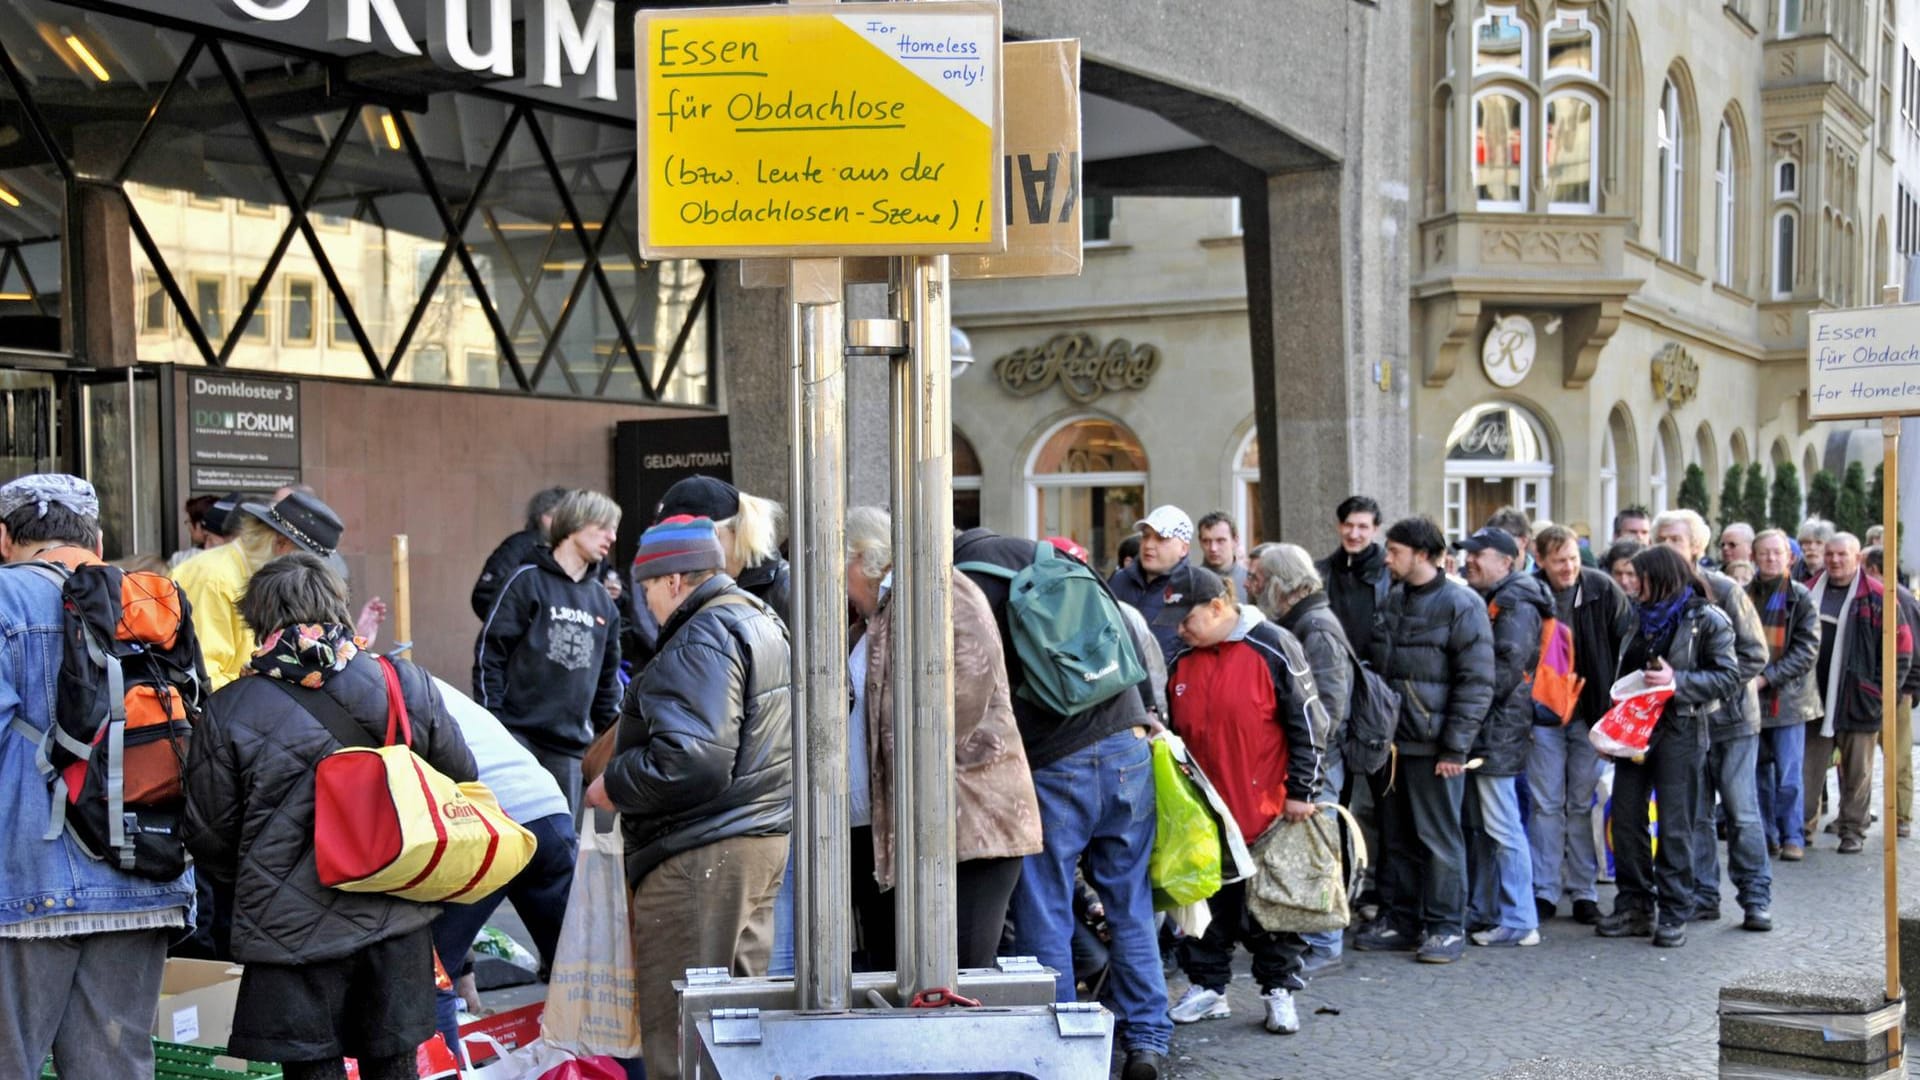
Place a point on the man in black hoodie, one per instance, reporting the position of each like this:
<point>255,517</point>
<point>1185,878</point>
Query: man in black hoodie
<point>1356,576</point>
<point>547,663</point>
<point>513,551</point>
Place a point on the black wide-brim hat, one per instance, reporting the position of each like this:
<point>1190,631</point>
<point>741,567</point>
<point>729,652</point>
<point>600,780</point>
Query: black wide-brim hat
<point>303,519</point>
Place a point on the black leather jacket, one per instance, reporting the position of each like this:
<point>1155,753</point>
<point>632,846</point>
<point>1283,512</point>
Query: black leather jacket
<point>705,751</point>
<point>1742,714</point>
<point>1706,671</point>
<point>1435,646</point>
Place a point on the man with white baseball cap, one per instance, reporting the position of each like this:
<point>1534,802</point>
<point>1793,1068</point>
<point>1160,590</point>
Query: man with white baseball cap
<point>1161,575</point>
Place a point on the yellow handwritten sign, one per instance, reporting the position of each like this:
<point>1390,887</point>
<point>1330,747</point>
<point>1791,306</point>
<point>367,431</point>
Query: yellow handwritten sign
<point>839,130</point>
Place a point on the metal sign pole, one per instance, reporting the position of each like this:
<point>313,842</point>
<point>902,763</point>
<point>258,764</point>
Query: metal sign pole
<point>924,802</point>
<point>1889,704</point>
<point>823,950</point>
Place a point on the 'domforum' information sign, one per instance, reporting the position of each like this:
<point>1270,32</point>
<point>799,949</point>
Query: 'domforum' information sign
<point>844,129</point>
<point>1863,362</point>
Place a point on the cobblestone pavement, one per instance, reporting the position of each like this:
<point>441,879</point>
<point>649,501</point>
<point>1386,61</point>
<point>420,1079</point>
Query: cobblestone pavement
<point>1575,996</point>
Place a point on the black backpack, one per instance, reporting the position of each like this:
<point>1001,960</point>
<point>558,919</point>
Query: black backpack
<point>1373,713</point>
<point>130,690</point>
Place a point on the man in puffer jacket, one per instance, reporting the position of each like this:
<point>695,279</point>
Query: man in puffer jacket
<point>702,774</point>
<point>1500,863</point>
<point>1434,646</point>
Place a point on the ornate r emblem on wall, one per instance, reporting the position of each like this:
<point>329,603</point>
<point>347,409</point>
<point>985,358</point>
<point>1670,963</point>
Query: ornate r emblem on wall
<point>1676,376</point>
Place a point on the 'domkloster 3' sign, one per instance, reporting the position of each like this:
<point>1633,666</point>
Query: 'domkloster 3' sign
<point>472,35</point>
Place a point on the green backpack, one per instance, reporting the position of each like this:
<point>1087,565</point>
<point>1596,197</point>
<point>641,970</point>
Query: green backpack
<point>1068,632</point>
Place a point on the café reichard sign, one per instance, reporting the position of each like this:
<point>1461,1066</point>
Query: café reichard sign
<point>835,130</point>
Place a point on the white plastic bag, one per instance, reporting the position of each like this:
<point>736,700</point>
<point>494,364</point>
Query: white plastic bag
<point>528,1062</point>
<point>593,1002</point>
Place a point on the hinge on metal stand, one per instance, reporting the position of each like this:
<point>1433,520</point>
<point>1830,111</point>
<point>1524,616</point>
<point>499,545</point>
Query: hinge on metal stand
<point>709,976</point>
<point>1079,1019</point>
<point>876,337</point>
<point>1020,965</point>
<point>736,1027</point>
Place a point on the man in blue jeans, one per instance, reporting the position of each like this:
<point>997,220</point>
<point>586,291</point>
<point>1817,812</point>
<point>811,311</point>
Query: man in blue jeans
<point>531,796</point>
<point>1093,775</point>
<point>1788,699</point>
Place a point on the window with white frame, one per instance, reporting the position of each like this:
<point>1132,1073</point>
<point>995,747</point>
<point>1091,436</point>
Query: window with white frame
<point>1658,478</point>
<point>1725,187</point>
<point>1573,46</point>
<point>1670,170</point>
<point>1609,476</point>
<point>1786,229</point>
<point>1570,137</point>
<point>1500,43</point>
<point>1246,489</point>
<point>1786,179</point>
<point>1789,17</point>
<point>1500,149</point>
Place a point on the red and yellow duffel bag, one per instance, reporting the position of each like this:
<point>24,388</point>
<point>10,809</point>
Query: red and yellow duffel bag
<point>385,821</point>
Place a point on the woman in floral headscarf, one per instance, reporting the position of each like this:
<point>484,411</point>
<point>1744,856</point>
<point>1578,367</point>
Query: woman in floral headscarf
<point>329,974</point>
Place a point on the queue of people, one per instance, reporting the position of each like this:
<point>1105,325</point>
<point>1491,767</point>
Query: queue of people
<point>677,668</point>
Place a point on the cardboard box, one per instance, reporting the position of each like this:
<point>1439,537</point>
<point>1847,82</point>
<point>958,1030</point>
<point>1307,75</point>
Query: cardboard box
<point>196,1002</point>
<point>512,1029</point>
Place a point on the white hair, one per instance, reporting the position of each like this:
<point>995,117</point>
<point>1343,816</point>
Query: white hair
<point>1697,531</point>
<point>1289,572</point>
<point>870,540</point>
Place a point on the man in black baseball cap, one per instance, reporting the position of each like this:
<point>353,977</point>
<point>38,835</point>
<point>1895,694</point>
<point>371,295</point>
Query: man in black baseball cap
<point>1489,538</point>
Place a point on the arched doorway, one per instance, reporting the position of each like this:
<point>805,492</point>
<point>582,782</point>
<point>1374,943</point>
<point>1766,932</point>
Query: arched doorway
<point>1663,480</point>
<point>1497,455</point>
<point>1087,479</point>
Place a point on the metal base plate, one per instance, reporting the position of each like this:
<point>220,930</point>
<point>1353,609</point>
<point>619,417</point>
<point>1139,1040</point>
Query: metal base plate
<point>1021,1043</point>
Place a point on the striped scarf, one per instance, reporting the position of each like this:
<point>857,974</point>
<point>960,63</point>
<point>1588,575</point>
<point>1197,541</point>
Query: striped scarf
<point>1774,601</point>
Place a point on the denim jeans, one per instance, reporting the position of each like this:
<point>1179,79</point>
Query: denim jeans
<point>1562,770</point>
<point>539,893</point>
<point>1425,874</point>
<point>1783,753</point>
<point>1500,867</point>
<point>1099,802</point>
<point>1670,772</point>
<point>1730,772</point>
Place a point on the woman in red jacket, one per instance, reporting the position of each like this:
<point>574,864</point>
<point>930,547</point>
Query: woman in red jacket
<point>1242,696</point>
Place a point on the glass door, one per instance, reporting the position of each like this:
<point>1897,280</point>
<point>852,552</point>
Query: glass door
<point>29,423</point>
<point>118,416</point>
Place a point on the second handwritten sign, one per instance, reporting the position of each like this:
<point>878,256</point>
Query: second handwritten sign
<point>852,129</point>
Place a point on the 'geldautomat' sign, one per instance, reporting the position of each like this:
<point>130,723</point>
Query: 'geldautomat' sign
<point>243,434</point>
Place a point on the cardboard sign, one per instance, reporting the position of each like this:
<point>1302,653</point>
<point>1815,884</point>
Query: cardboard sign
<point>1040,175</point>
<point>843,129</point>
<point>1863,363</point>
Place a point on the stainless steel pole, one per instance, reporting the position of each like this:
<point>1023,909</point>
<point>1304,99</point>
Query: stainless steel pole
<point>906,594</point>
<point>925,810</point>
<point>823,948</point>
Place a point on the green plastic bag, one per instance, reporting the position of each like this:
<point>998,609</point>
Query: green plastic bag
<point>1185,865</point>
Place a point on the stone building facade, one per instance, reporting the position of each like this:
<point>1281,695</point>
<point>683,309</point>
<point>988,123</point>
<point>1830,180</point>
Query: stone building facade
<point>1624,213</point>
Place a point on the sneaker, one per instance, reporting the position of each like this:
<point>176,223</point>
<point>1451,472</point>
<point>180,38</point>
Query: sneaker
<point>1385,938</point>
<point>1758,919</point>
<point>1318,963</point>
<point>1851,845</point>
<point>1773,851</point>
<point>1545,908</point>
<point>1441,949</point>
<point>1833,827</point>
<point>1625,924</point>
<point>1792,852</point>
<point>1506,937</point>
<point>1200,1003</point>
<point>1282,1018</point>
<point>1707,912</point>
<point>1586,912</point>
<point>1144,1065</point>
<point>1670,937</point>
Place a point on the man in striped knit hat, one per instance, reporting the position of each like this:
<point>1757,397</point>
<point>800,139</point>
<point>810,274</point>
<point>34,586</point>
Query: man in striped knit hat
<point>702,774</point>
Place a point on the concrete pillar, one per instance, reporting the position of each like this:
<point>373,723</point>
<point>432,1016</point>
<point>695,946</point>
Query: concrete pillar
<point>99,301</point>
<point>753,369</point>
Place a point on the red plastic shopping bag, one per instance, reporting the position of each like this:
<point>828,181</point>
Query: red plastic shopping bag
<point>1628,726</point>
<point>596,1067</point>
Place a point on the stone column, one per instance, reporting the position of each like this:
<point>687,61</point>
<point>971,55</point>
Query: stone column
<point>753,371</point>
<point>100,302</point>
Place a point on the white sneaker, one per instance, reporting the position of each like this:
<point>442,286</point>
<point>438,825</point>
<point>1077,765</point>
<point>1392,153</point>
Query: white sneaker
<point>1282,1019</point>
<point>1200,1003</point>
